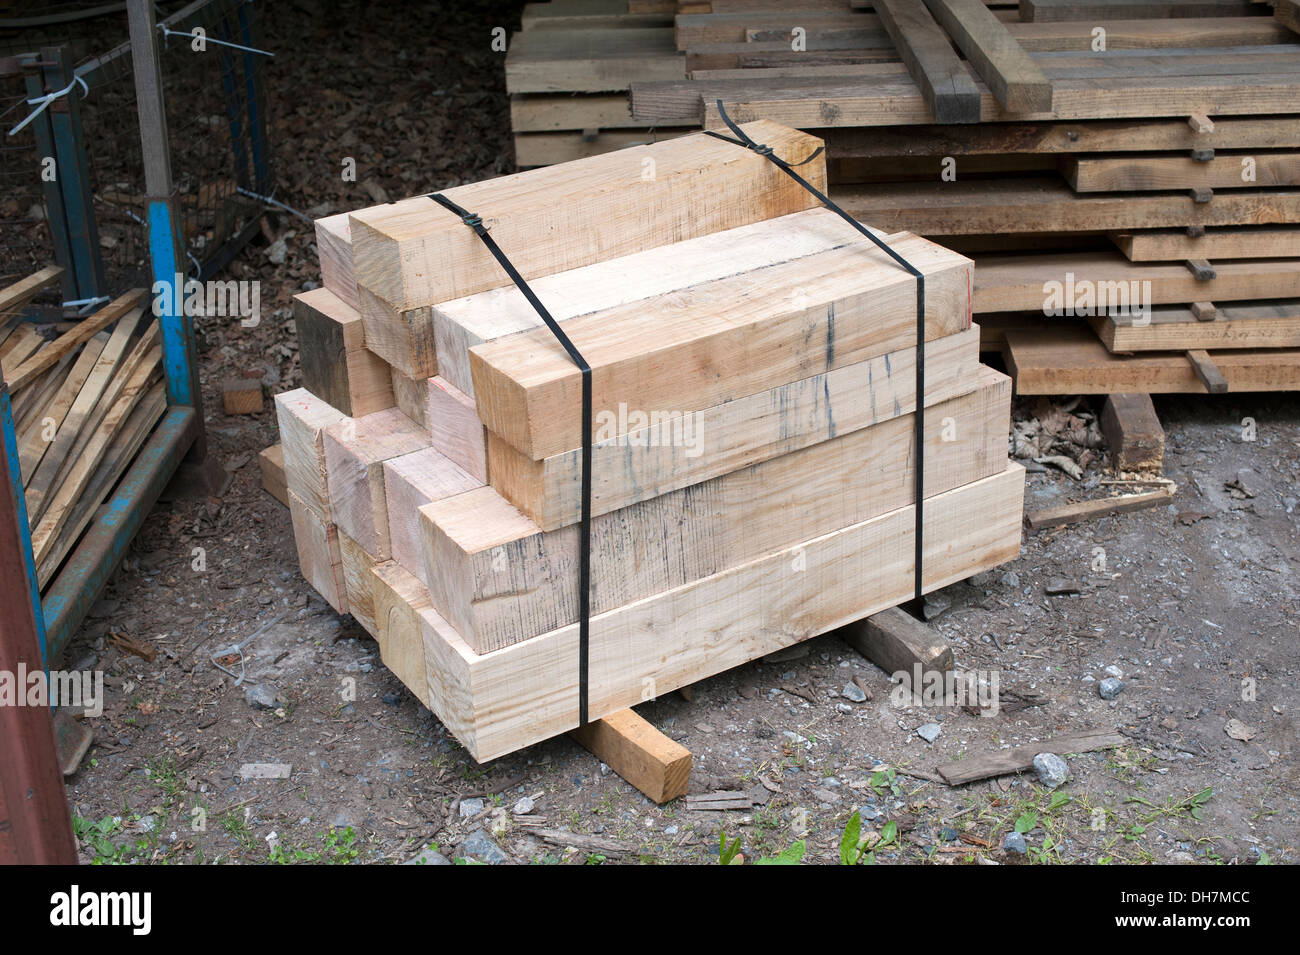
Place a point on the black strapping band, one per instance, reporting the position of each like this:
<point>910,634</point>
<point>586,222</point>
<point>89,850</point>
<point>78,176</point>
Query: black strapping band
<point>584,534</point>
<point>788,168</point>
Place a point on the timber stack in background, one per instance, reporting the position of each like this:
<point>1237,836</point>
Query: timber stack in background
<point>754,392</point>
<point>1095,159</point>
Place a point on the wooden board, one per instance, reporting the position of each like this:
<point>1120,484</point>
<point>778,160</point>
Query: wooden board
<point>303,418</point>
<point>1020,283</point>
<point>1176,328</point>
<point>1072,361</point>
<point>590,61</point>
<point>334,251</point>
<point>1100,136</point>
<point>1144,173</point>
<point>1011,206</point>
<point>730,436</point>
<point>944,79</point>
<point>500,579</point>
<point>1017,83</point>
<point>410,482</point>
<point>398,599</point>
<point>499,702</point>
<point>40,435</point>
<point>716,342</point>
<point>695,29</point>
<point>1094,10</point>
<point>560,112</point>
<point>1020,758</point>
<point>414,253</point>
<point>336,365</point>
<point>14,297</point>
<point>1169,245</point>
<point>355,452</point>
<point>319,557</point>
<point>358,582</point>
<point>487,316</point>
<point>656,765</point>
<point>270,462</point>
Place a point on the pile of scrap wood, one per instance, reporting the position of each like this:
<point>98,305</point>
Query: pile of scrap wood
<point>1125,174</point>
<point>83,403</point>
<point>753,376</point>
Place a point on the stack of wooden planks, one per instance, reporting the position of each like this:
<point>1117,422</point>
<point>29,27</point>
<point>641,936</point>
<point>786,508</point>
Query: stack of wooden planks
<point>753,364</point>
<point>83,403</point>
<point>1079,152</point>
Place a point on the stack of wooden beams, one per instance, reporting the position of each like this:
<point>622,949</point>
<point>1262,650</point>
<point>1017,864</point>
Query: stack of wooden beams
<point>83,403</point>
<point>753,377</point>
<point>1151,145</point>
<point>568,72</point>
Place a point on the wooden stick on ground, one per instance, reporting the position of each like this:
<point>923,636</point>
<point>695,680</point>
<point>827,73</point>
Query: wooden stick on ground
<point>1020,758</point>
<point>1104,507</point>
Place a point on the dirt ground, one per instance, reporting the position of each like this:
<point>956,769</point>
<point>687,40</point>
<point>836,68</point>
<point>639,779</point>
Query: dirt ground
<point>1195,603</point>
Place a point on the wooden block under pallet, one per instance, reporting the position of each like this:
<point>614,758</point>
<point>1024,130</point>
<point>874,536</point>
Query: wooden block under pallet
<point>640,753</point>
<point>319,556</point>
<point>499,579</point>
<point>898,643</point>
<point>242,396</point>
<point>1133,432</point>
<point>355,452</point>
<point>499,702</point>
<point>336,365</point>
<point>271,462</point>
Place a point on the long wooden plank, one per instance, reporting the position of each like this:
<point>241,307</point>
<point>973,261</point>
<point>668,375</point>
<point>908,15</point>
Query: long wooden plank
<point>1123,97</point>
<point>414,253</point>
<point>549,113</point>
<point>38,440</point>
<point>500,579</point>
<point>1100,136</point>
<point>334,251</point>
<point>1095,10</point>
<point>1169,245</point>
<point>1011,206</point>
<point>487,316</point>
<point>398,598</point>
<point>695,29</point>
<point>1194,33</point>
<point>336,365</point>
<point>355,452</point>
<point>590,61</point>
<point>13,297</point>
<point>1259,325</point>
<point>732,435</point>
<point>499,702</point>
<point>943,77</point>
<point>1064,514</point>
<point>549,149</point>
<point>87,327</point>
<point>656,765</point>
<point>1017,83</point>
<point>1078,282</point>
<point>1072,361</point>
<point>1143,173</point>
<point>302,419</point>
<point>716,342</point>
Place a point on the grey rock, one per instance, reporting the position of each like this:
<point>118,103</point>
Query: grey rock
<point>934,605</point>
<point>1015,842</point>
<point>260,696</point>
<point>277,251</point>
<point>929,732</point>
<point>1052,770</point>
<point>524,806</point>
<point>853,693</point>
<point>1115,671</point>
<point>428,857</point>
<point>1011,579</point>
<point>796,652</point>
<point>948,834</point>
<point>147,823</point>
<point>478,845</point>
<point>1110,688</point>
<point>469,808</point>
<point>843,708</point>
